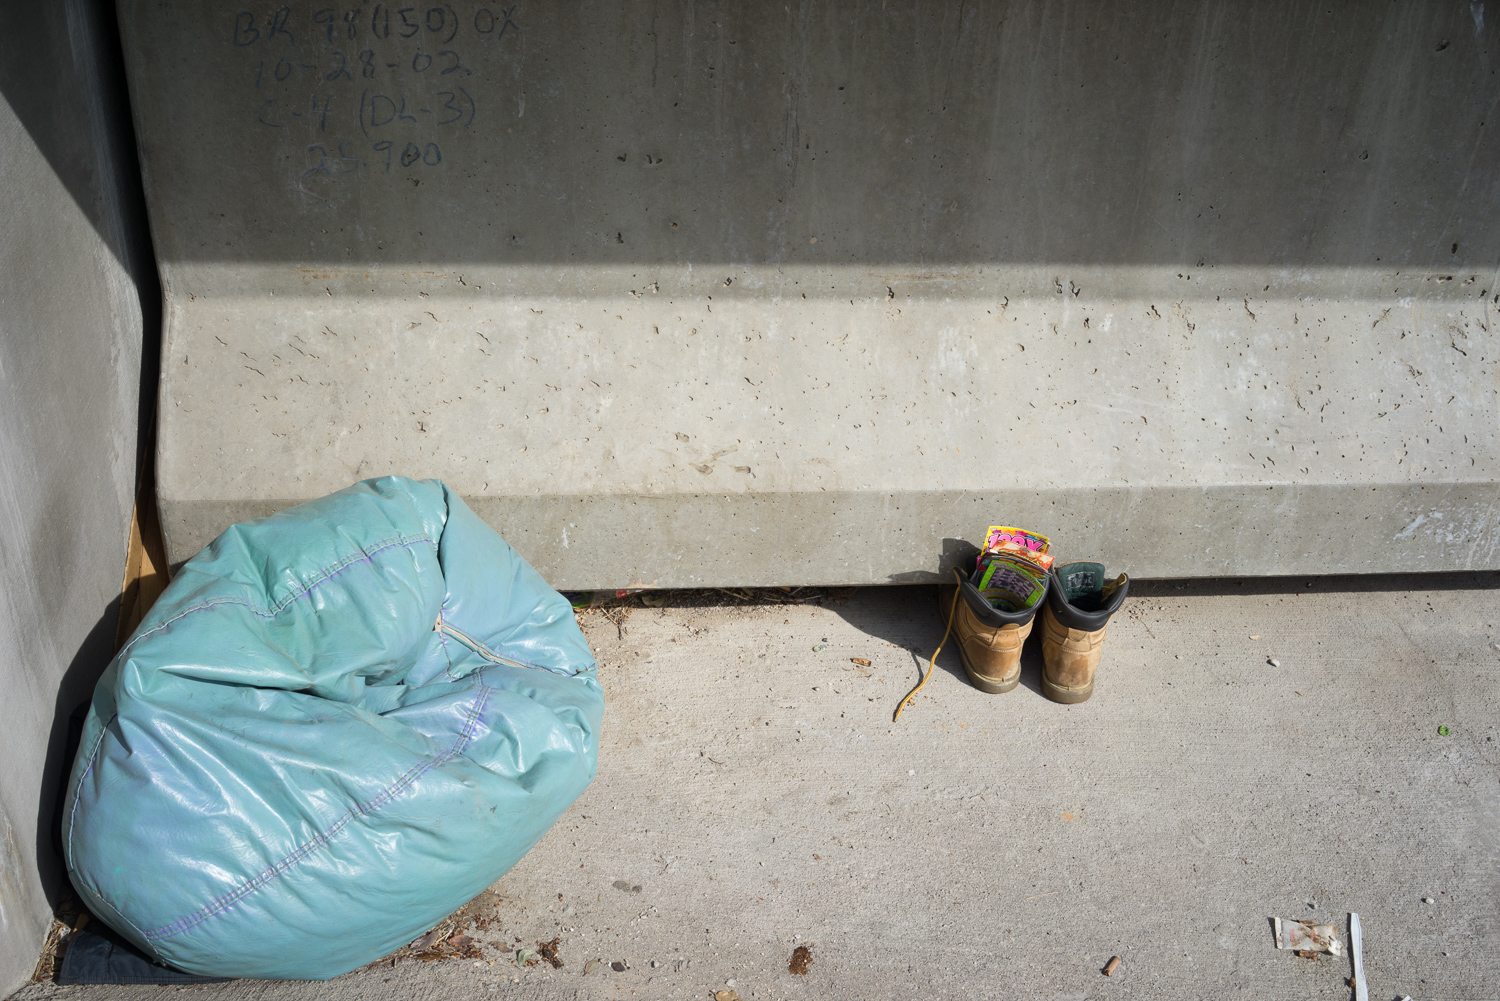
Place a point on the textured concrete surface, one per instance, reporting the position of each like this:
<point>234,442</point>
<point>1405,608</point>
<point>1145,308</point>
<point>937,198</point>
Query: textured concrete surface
<point>685,294</point>
<point>70,370</point>
<point>754,795</point>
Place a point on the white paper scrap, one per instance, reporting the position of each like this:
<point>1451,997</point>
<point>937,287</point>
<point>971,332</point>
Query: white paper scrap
<point>1304,936</point>
<point>1357,946</point>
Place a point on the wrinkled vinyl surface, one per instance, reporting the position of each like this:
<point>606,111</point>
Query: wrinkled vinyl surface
<point>337,725</point>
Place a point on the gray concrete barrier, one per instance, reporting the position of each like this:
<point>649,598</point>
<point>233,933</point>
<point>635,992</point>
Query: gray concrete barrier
<point>72,249</point>
<point>684,294</point>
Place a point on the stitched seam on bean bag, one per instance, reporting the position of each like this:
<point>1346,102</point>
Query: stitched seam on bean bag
<point>411,775</point>
<point>323,575</point>
<point>78,792</point>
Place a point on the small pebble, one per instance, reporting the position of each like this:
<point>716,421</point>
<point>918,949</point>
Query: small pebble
<point>1273,662</point>
<point>1428,900</point>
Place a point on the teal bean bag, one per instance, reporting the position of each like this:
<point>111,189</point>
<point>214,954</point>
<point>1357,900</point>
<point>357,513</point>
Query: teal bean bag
<point>338,725</point>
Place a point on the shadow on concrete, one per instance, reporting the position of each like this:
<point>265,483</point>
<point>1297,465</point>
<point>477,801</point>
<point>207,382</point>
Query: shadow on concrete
<point>957,554</point>
<point>909,615</point>
<point>70,707</point>
<point>77,111</point>
<point>905,135</point>
<point>1472,580</point>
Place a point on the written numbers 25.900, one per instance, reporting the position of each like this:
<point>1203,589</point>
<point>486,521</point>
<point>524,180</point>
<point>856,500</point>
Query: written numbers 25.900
<point>341,157</point>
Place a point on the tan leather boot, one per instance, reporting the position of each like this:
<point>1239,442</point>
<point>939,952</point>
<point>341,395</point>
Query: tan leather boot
<point>1079,604</point>
<point>989,640</point>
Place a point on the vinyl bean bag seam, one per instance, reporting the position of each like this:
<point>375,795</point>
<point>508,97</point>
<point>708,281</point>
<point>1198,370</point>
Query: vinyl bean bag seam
<point>402,783</point>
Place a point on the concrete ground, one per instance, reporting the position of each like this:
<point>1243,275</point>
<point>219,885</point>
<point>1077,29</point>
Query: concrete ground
<point>1251,751</point>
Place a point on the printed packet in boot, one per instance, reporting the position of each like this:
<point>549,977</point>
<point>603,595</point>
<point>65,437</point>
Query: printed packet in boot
<point>999,535</point>
<point>1011,573</point>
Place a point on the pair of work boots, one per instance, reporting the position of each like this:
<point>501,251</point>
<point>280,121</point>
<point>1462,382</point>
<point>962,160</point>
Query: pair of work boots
<point>1075,618</point>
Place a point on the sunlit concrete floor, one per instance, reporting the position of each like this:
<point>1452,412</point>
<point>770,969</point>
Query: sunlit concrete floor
<point>1254,749</point>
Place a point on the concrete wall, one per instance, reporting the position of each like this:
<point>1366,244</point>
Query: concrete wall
<point>684,293</point>
<point>70,371</point>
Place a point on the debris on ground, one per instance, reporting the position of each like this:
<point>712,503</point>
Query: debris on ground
<point>860,661</point>
<point>619,966</point>
<point>616,614</point>
<point>50,960</point>
<point>1111,966</point>
<point>453,947</point>
<point>1357,946</point>
<point>802,958</point>
<point>591,966</point>
<point>449,940</point>
<point>1307,939</point>
<point>548,951</point>
<point>585,602</point>
<point>727,995</point>
<point>69,919</point>
<point>599,599</point>
<point>525,957</point>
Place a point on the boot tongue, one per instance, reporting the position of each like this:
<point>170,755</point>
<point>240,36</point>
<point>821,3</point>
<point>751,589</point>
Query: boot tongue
<point>1083,584</point>
<point>1111,586</point>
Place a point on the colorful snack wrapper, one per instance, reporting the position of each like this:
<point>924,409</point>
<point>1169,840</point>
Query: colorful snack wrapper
<point>1009,583</point>
<point>1011,573</point>
<point>999,535</point>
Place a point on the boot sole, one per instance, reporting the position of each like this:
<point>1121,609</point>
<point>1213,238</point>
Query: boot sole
<point>985,685</point>
<point>1067,696</point>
